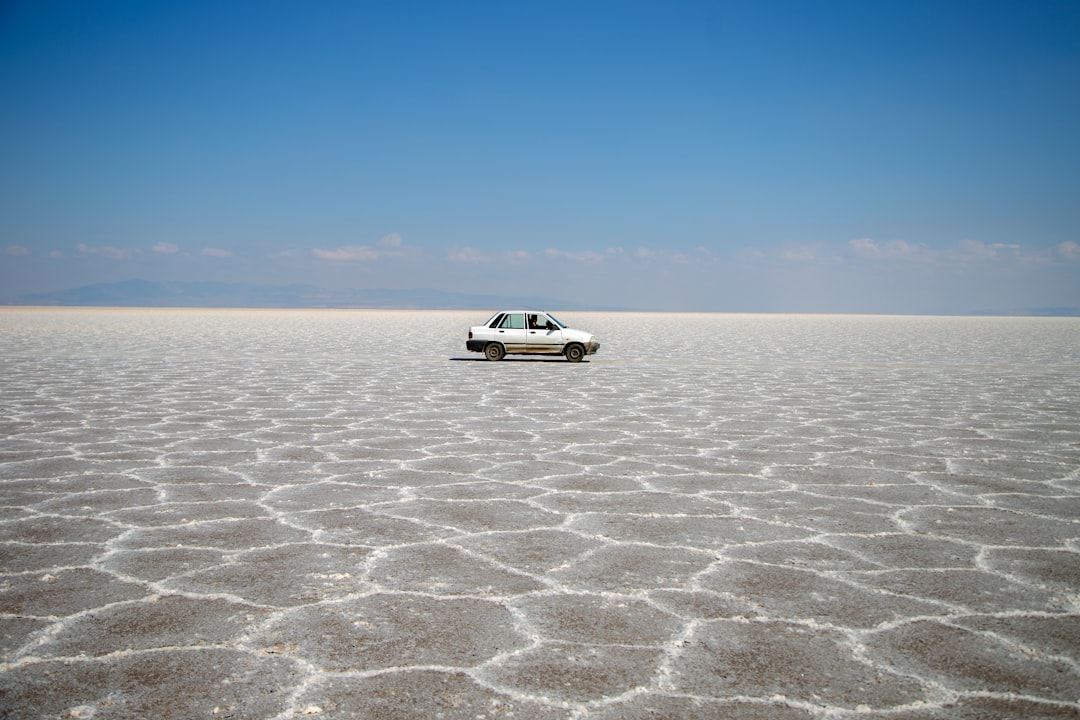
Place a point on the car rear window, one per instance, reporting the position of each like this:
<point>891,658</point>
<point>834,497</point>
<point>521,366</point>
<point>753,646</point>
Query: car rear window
<point>513,321</point>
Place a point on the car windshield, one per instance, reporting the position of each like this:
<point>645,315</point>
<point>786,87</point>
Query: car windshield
<point>558,322</point>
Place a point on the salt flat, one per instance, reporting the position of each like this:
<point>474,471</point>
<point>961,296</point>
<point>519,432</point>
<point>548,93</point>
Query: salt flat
<point>344,514</point>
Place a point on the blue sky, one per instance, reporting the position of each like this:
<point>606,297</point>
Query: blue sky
<point>907,157</point>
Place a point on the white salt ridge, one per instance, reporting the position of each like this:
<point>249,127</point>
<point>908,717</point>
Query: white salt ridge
<point>282,514</point>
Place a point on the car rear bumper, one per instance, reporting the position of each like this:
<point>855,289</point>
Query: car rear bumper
<point>475,345</point>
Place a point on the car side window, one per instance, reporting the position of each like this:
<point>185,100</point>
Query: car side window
<point>496,321</point>
<point>513,321</point>
<point>536,322</point>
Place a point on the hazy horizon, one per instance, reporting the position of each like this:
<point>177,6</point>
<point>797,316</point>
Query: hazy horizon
<point>139,294</point>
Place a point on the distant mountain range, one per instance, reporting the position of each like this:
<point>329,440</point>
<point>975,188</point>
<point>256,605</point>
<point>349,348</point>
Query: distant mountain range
<point>143,293</point>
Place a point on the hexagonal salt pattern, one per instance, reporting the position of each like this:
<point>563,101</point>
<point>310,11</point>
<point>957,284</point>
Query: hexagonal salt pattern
<point>283,514</point>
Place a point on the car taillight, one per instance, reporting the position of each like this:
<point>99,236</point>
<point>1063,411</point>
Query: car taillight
<point>470,334</point>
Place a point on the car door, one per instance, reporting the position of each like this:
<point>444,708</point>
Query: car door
<point>511,332</point>
<point>542,335</point>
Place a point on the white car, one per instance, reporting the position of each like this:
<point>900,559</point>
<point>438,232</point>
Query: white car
<point>529,332</point>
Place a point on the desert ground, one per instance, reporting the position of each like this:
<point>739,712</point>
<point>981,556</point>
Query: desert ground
<point>345,514</point>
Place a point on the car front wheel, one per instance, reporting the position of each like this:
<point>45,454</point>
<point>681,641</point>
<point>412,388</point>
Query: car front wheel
<point>574,353</point>
<point>494,351</point>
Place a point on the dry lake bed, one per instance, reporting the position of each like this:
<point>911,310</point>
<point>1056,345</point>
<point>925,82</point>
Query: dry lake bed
<point>344,514</point>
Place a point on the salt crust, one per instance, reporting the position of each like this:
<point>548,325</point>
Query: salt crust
<point>279,514</point>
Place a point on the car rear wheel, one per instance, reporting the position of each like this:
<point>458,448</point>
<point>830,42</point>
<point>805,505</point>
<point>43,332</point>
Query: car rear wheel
<point>575,352</point>
<point>494,351</point>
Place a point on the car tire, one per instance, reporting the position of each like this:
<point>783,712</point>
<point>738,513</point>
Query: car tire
<point>494,351</point>
<point>574,353</point>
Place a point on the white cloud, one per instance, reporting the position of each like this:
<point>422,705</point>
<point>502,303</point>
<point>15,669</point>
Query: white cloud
<point>16,250</point>
<point>119,253</point>
<point>216,252</point>
<point>871,249</point>
<point>1069,250</point>
<point>965,251</point>
<point>587,256</point>
<point>388,246</point>
<point>976,250</point>
<point>805,252</point>
<point>361,253</point>
<point>113,253</point>
<point>467,255</point>
<point>165,248</point>
<point>644,252</point>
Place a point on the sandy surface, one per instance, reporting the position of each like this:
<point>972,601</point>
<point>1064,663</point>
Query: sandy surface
<point>218,514</point>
